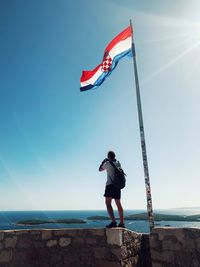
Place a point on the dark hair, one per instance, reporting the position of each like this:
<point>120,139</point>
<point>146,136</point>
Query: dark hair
<point>111,155</point>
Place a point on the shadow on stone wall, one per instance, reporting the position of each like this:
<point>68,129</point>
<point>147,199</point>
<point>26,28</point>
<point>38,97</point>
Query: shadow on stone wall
<point>144,259</point>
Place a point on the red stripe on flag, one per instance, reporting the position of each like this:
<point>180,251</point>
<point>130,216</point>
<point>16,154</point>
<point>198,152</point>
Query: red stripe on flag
<point>120,37</point>
<point>87,74</point>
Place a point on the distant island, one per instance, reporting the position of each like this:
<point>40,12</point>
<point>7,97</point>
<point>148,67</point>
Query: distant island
<point>140,216</point>
<point>35,221</point>
<point>98,218</point>
<point>157,217</point>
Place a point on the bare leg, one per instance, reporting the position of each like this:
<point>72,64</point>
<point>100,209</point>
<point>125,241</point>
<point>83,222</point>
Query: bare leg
<point>110,209</point>
<point>120,210</point>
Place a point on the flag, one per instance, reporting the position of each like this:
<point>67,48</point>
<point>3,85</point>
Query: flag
<point>118,48</point>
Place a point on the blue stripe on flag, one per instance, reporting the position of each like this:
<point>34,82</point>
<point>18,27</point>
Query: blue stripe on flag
<point>104,75</point>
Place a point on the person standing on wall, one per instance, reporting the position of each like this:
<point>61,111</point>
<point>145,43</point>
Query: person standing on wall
<point>112,192</point>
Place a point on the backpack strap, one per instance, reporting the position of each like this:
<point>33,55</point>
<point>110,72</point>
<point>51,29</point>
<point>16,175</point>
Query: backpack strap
<point>112,164</point>
<point>115,167</point>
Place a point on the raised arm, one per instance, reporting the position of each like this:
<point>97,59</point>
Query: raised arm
<point>101,167</point>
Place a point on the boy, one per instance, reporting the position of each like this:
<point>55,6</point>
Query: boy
<point>111,191</point>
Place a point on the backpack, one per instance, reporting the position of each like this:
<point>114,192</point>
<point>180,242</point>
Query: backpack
<point>119,180</point>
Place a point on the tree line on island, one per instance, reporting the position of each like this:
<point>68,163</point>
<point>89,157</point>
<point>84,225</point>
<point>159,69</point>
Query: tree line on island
<point>140,216</point>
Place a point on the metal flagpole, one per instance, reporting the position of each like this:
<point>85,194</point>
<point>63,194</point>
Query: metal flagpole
<point>142,138</point>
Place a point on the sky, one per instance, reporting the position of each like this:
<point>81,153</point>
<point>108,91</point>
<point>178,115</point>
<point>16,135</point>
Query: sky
<point>53,137</point>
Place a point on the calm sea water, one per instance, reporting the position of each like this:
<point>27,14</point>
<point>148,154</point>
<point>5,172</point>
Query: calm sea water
<point>9,219</point>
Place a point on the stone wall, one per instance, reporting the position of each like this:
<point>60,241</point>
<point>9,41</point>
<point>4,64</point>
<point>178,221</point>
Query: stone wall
<point>164,247</point>
<point>74,248</point>
<point>175,247</point>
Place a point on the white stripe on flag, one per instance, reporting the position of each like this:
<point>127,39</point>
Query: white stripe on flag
<point>93,79</point>
<point>120,47</point>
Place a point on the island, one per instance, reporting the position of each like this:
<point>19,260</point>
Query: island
<point>98,218</point>
<point>36,221</point>
<point>157,217</point>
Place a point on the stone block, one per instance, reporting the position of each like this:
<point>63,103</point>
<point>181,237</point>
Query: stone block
<point>19,258</point>
<point>56,258</point>
<point>59,265</point>
<point>103,263</point>
<point>192,233</point>
<point>164,256</point>
<point>46,234</point>
<point>21,232</point>
<point>168,231</point>
<point>155,264</point>
<point>74,232</point>
<point>90,241</point>
<point>24,241</point>
<point>189,244</point>
<point>99,232</point>
<point>114,236</point>
<point>36,237</point>
<point>196,262</point>
<point>101,240</point>
<point>35,232</point>
<point>184,258</point>
<point>78,241</point>
<point>100,253</point>
<point>5,256</point>
<point>64,241</point>
<point>95,232</point>
<point>39,244</point>
<point>171,245</point>
<point>10,242</point>
<point>52,243</point>
<point>198,244</point>
<point>60,232</point>
<point>116,252</point>
<point>172,238</point>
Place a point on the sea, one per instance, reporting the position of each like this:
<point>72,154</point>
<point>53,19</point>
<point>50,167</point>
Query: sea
<point>9,219</point>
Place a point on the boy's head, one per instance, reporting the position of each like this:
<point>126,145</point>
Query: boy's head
<point>111,155</point>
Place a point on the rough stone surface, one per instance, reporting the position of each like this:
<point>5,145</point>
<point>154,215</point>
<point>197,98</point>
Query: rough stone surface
<point>20,232</point>
<point>107,264</point>
<point>175,247</point>
<point>51,243</point>
<point>24,242</point>
<point>60,232</point>
<point>64,242</point>
<point>46,234</point>
<point>71,247</point>
<point>35,232</point>
<point>1,235</point>
<point>10,242</point>
<point>5,256</point>
<point>164,247</point>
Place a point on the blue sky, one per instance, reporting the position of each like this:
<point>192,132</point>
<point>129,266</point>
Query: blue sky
<point>53,138</point>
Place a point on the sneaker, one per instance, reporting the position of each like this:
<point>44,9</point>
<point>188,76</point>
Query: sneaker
<point>121,225</point>
<point>111,225</point>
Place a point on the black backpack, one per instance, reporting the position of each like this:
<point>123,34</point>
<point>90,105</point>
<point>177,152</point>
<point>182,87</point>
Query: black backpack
<point>119,180</point>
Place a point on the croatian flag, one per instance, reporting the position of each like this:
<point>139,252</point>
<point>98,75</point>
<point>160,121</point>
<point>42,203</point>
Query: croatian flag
<point>118,48</point>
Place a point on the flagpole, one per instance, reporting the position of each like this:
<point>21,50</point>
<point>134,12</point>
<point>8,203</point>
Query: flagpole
<point>142,138</point>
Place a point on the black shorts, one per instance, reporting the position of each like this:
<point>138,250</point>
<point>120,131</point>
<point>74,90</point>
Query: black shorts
<point>112,191</point>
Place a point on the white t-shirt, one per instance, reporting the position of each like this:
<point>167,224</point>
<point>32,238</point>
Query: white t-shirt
<point>110,170</point>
